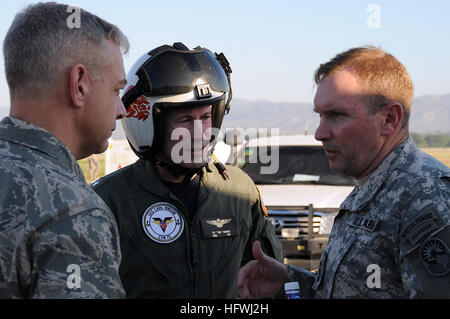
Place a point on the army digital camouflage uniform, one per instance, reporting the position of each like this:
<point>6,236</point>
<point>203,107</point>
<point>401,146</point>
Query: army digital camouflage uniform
<point>394,226</point>
<point>58,239</point>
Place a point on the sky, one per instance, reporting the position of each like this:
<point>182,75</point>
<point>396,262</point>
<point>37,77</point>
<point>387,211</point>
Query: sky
<point>273,46</point>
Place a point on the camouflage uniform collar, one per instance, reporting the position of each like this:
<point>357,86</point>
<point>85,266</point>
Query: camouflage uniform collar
<point>363,193</point>
<point>40,140</point>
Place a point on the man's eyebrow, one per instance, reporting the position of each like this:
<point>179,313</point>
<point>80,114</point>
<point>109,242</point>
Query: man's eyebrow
<point>123,82</point>
<point>330,108</point>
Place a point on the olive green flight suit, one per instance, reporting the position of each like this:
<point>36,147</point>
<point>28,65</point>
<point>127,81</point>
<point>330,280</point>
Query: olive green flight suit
<point>165,254</point>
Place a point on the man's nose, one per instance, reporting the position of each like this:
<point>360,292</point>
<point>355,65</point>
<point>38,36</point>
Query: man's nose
<point>322,132</point>
<point>199,130</point>
<point>121,111</point>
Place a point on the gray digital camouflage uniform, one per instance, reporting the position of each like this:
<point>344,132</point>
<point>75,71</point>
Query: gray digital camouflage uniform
<point>57,237</point>
<point>391,237</point>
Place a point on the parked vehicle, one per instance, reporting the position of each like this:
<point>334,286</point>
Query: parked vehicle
<point>302,195</point>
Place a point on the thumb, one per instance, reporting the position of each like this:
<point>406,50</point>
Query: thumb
<point>258,253</point>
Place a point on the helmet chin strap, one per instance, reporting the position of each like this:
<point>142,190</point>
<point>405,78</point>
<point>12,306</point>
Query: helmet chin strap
<point>177,170</point>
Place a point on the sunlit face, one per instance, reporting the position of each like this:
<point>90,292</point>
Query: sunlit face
<point>187,135</point>
<point>104,105</point>
<point>351,138</point>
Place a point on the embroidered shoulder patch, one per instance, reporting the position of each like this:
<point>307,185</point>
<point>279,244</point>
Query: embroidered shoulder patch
<point>435,256</point>
<point>417,228</point>
<point>261,203</point>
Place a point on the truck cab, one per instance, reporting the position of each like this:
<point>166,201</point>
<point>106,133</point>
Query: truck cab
<point>302,195</point>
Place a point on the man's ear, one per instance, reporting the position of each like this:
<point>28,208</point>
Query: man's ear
<point>79,83</point>
<point>393,118</point>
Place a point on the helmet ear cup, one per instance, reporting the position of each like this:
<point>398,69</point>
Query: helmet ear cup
<point>159,124</point>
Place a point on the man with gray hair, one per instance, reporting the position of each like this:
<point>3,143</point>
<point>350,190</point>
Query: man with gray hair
<point>57,237</point>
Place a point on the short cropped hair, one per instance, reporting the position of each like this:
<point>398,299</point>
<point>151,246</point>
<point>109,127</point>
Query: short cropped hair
<point>40,45</point>
<point>382,76</point>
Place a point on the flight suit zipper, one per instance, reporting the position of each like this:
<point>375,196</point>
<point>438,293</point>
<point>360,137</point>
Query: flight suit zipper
<point>189,237</point>
<point>195,241</point>
<point>195,257</point>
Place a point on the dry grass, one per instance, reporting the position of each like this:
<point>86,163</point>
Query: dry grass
<point>84,164</point>
<point>441,153</point>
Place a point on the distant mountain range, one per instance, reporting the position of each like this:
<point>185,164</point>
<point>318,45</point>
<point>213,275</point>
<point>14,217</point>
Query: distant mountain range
<point>430,114</point>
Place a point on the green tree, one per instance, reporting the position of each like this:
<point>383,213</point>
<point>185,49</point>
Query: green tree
<point>420,141</point>
<point>437,140</point>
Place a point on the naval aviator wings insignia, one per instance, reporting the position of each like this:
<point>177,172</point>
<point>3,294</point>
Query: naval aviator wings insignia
<point>219,227</point>
<point>219,223</point>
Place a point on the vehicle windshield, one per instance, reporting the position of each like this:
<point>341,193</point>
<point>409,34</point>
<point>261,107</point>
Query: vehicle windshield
<point>297,165</point>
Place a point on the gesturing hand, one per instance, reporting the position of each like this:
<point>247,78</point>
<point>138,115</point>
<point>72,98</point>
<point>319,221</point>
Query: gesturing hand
<point>262,277</point>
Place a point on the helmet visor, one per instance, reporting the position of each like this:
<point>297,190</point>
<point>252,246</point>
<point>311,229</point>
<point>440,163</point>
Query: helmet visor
<point>173,72</point>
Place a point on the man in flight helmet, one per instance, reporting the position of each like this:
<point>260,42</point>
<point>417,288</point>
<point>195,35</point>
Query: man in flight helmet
<point>186,222</point>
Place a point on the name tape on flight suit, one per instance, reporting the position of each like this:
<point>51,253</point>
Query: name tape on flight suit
<point>162,223</point>
<point>219,227</point>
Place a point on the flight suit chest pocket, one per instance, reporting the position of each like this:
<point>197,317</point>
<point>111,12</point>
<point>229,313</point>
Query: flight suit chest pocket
<point>219,227</point>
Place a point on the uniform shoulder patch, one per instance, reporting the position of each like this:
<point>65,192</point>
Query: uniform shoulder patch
<point>435,256</point>
<point>420,226</point>
<point>261,203</point>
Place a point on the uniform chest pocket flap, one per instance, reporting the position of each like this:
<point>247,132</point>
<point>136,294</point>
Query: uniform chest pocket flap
<point>334,260</point>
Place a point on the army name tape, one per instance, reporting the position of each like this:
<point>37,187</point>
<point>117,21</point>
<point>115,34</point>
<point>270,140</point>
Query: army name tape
<point>162,223</point>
